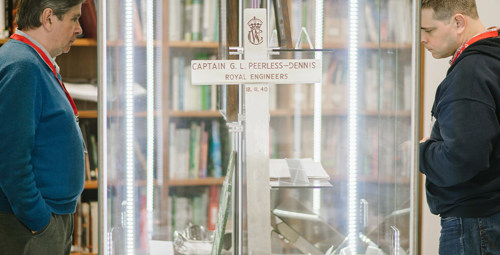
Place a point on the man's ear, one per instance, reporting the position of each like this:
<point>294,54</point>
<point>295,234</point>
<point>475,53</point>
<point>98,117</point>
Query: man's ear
<point>460,22</point>
<point>47,18</point>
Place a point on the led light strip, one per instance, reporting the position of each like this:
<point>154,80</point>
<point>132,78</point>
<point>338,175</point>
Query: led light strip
<point>150,66</point>
<point>353,124</point>
<point>318,37</point>
<point>129,128</point>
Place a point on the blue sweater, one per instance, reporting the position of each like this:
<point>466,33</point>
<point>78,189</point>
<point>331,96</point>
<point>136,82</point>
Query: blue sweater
<point>41,146</point>
<point>461,160</point>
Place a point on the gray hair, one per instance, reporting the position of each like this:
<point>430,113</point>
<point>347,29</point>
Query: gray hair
<point>29,11</point>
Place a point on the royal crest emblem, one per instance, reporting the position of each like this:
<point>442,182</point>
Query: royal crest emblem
<point>254,35</point>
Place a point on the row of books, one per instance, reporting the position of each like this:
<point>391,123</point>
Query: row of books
<point>89,133</point>
<point>384,85</point>
<point>193,20</point>
<point>8,10</point>
<point>187,97</point>
<point>382,88</point>
<point>197,150</point>
<point>85,238</point>
<point>88,19</point>
<point>385,150</point>
<point>380,21</point>
<point>184,95</point>
<point>195,209</point>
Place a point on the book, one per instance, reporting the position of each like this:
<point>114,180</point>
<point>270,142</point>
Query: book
<point>83,129</point>
<point>175,13</point>
<point>196,22</point>
<point>93,156</point>
<point>113,20</point>
<point>215,149</point>
<point>94,229</point>
<point>203,151</point>
<point>213,207</point>
<point>206,18</point>
<point>2,20</point>
<point>283,24</point>
<point>85,225</point>
<point>188,19</point>
<point>175,89</point>
<point>172,151</point>
<point>138,28</point>
<point>88,19</point>
<point>10,14</point>
<point>194,150</point>
<point>182,151</point>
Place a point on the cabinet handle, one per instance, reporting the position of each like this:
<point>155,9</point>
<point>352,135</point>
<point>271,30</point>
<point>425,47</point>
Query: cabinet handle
<point>364,211</point>
<point>395,240</point>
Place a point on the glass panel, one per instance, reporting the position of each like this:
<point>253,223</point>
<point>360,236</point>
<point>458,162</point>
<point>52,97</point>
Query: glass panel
<point>370,195</point>
<point>132,126</point>
<point>168,146</point>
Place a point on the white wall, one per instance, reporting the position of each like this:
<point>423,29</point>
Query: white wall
<point>434,73</point>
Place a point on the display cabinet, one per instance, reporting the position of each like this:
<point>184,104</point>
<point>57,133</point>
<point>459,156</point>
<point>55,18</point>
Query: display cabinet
<point>166,144</point>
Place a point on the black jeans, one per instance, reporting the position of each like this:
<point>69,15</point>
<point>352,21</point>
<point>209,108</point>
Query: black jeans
<point>17,239</point>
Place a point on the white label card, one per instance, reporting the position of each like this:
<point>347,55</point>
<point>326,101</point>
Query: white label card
<point>274,71</point>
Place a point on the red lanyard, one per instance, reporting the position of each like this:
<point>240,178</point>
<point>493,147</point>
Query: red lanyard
<point>487,34</point>
<point>49,63</point>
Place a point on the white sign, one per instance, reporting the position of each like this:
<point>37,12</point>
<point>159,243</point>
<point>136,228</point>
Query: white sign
<point>274,71</point>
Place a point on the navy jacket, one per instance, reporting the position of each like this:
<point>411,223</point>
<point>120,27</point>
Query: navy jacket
<point>462,158</point>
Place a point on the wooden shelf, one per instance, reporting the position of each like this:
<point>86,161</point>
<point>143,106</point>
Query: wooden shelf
<point>369,45</point>
<point>2,41</point>
<point>136,43</point>
<point>85,42</point>
<point>195,114</point>
<point>195,182</point>
<point>87,114</point>
<point>192,44</point>
<point>341,112</point>
<point>90,114</point>
<point>91,185</point>
<point>373,179</point>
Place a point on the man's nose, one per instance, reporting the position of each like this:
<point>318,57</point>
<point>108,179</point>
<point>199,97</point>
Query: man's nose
<point>423,39</point>
<point>79,29</point>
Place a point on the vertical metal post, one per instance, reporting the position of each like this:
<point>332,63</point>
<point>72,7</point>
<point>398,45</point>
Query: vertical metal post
<point>102,130</point>
<point>415,132</point>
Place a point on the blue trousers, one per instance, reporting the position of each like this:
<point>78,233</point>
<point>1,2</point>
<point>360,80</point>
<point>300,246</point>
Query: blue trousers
<point>470,236</point>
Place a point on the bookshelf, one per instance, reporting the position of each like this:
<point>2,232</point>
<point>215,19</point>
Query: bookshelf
<point>378,114</point>
<point>90,185</point>
<point>195,182</point>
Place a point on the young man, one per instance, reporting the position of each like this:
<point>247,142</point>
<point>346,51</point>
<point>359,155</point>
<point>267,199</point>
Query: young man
<point>41,147</point>
<point>461,159</point>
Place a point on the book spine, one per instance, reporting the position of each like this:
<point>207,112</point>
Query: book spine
<point>196,23</point>
<point>188,19</point>
<point>216,150</point>
<point>2,19</point>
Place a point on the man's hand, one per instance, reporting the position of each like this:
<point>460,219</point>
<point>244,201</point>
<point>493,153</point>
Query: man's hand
<point>424,139</point>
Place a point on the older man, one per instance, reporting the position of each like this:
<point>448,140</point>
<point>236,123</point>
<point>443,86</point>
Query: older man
<point>41,147</point>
